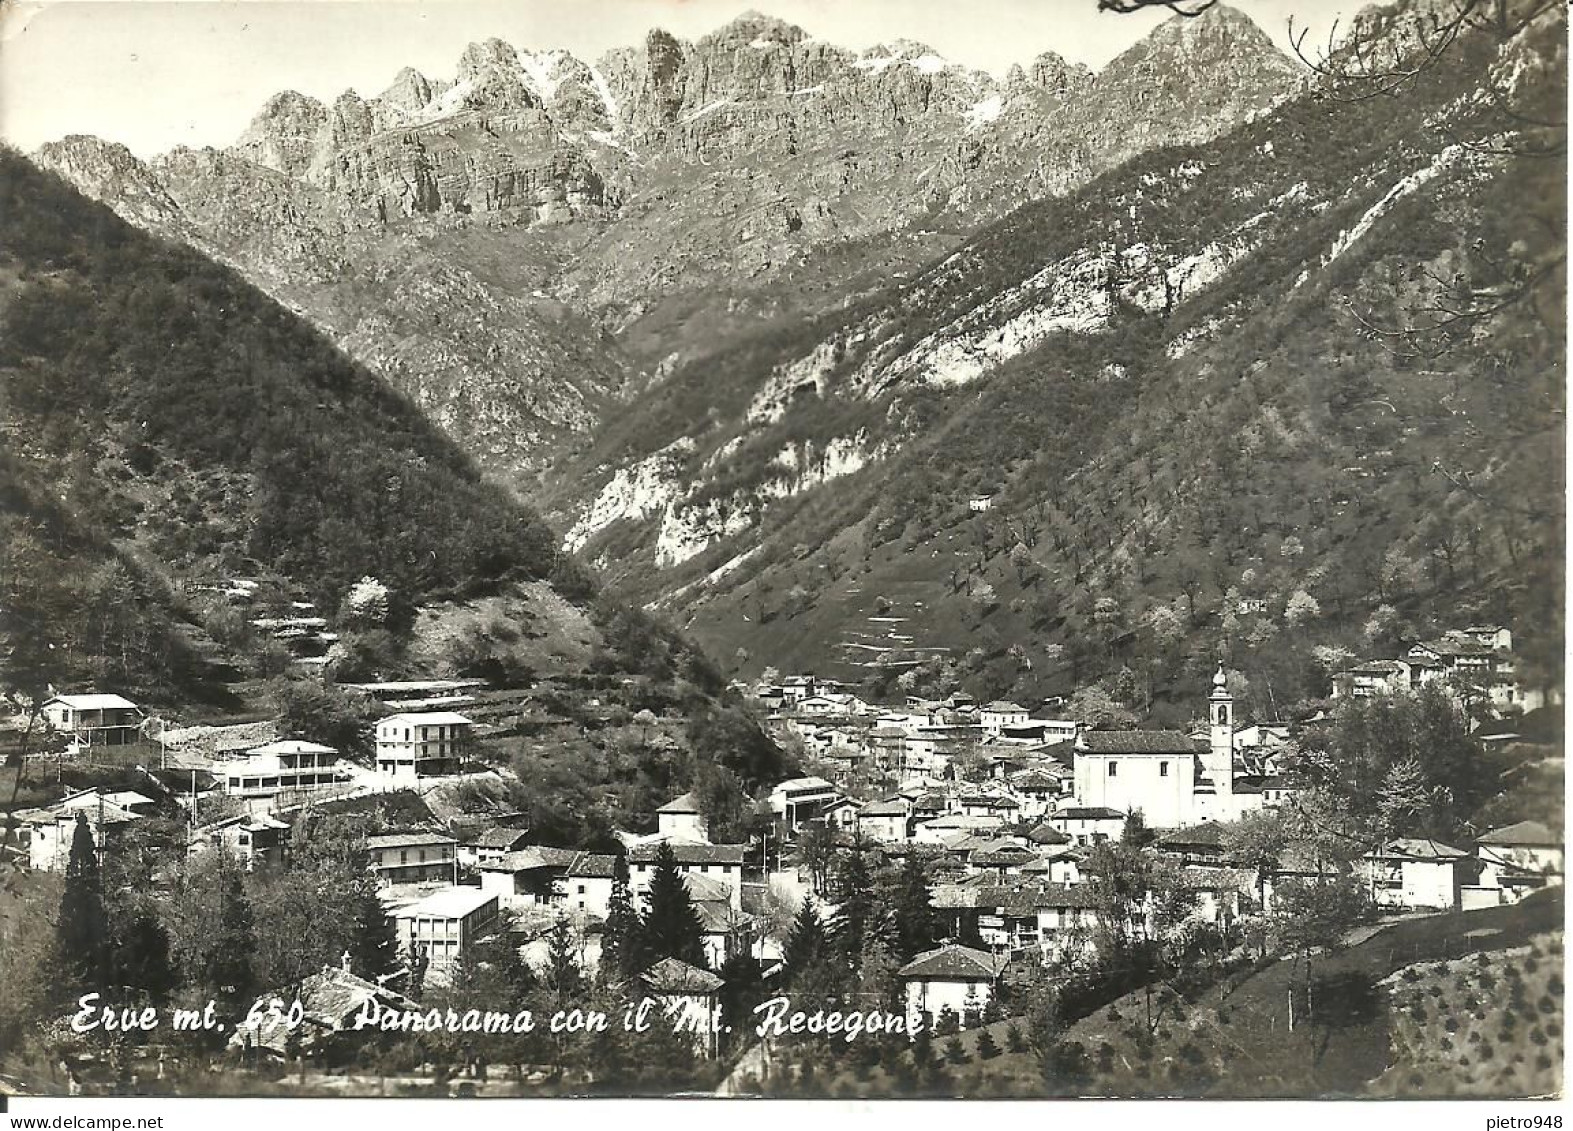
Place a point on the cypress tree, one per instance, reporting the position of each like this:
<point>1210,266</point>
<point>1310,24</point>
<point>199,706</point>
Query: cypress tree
<point>621,945</point>
<point>671,928</point>
<point>229,974</point>
<point>855,918</point>
<point>82,930</point>
<point>140,959</point>
<point>912,908</point>
<point>564,975</point>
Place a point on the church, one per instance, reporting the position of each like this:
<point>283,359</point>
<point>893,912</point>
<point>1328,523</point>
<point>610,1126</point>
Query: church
<point>1177,779</point>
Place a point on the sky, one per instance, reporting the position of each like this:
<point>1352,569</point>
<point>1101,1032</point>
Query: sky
<point>154,74</point>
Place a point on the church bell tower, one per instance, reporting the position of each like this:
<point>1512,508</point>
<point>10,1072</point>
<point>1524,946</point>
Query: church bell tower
<point>1220,754</point>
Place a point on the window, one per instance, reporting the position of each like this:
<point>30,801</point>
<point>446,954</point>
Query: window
<point>404,856</point>
<point>581,889</point>
<point>1163,769</point>
<point>1114,769</point>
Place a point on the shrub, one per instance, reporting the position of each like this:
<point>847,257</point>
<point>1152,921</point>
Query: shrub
<point>955,1052</point>
<point>1014,1040</point>
<point>987,1047</point>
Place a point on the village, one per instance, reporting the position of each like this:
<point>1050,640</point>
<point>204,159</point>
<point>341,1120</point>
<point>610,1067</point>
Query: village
<point>1003,818</point>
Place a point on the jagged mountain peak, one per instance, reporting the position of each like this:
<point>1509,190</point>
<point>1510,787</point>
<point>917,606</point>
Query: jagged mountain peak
<point>1219,32</point>
<point>757,30</point>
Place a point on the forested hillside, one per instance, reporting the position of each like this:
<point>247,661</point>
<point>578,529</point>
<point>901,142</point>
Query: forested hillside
<point>170,429</point>
<point>1307,377</point>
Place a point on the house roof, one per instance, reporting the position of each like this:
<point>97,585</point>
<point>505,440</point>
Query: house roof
<point>407,840</point>
<point>593,865</point>
<point>1418,848</point>
<point>449,903</point>
<point>291,746</point>
<point>528,859</point>
<point>702,889</point>
<point>802,783</point>
<point>1526,833</point>
<point>689,853</point>
<point>1093,813</point>
<point>94,702</point>
<point>1138,742</point>
<point>500,837</point>
<point>954,962</point>
<point>890,807</point>
<point>430,718</point>
<point>674,976</point>
<point>991,802</point>
<point>330,1000</point>
<point>684,803</point>
<point>1005,707</point>
<point>1208,834</point>
<point>1046,833</point>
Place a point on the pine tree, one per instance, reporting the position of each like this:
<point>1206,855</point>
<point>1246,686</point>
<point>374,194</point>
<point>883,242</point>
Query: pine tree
<point>988,1048</point>
<point>375,948</point>
<point>671,927</point>
<point>806,944</point>
<point>621,944</point>
<point>82,929</point>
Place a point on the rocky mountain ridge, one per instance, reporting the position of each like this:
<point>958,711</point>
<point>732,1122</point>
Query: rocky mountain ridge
<point>476,239</point>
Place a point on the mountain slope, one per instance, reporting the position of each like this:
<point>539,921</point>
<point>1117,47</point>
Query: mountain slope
<point>1167,382</point>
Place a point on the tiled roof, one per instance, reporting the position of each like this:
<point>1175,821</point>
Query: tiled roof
<point>890,807</point>
<point>684,803</point>
<point>954,961</point>
<point>1208,834</point>
<point>1417,848</point>
<point>985,800</point>
<point>593,866</point>
<point>674,976</point>
<point>1527,833</point>
<point>1048,834</point>
<point>526,859</point>
<point>500,838</point>
<point>1095,813</point>
<point>706,888</point>
<point>690,853</point>
<point>1138,742</point>
<point>1005,707</point>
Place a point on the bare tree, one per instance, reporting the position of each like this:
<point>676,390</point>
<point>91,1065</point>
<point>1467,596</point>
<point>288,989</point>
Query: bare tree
<point>1187,8</point>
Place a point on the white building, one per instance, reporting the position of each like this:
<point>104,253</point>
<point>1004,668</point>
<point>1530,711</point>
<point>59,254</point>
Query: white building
<point>423,744</point>
<point>720,862</point>
<point>800,799</point>
<point>49,831</point>
<point>94,720</point>
<point>1413,873</point>
<point>1000,714</point>
<point>954,977</point>
<point>280,766</point>
<point>681,819</point>
<point>443,925</point>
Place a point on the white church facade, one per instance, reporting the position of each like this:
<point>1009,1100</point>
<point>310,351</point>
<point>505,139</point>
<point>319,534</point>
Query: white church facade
<point>1173,779</point>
